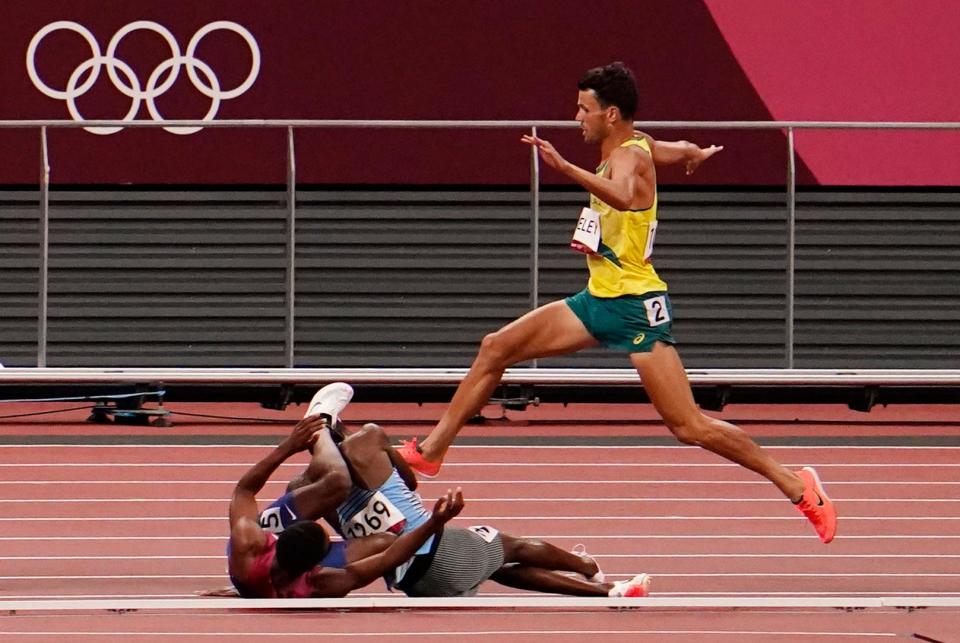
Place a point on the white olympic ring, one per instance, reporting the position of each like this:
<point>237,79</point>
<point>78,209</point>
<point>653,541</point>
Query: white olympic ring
<point>127,82</point>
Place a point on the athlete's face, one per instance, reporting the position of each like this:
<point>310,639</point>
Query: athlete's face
<point>595,121</point>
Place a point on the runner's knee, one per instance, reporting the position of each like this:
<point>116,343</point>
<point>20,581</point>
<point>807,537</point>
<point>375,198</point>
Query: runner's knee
<point>495,351</point>
<point>517,549</point>
<point>696,431</point>
<point>364,444</point>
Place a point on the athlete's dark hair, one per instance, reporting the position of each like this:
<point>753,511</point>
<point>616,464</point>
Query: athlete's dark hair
<point>615,85</point>
<point>301,546</point>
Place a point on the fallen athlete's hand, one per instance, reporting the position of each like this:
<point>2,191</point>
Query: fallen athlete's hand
<point>447,506</point>
<point>547,151</point>
<point>699,156</point>
<point>304,434</point>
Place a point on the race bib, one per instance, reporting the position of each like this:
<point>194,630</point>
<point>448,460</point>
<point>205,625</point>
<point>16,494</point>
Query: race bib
<point>586,236</point>
<point>378,516</point>
<point>277,518</point>
<point>657,311</point>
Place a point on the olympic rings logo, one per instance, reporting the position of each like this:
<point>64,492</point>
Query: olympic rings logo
<point>125,79</point>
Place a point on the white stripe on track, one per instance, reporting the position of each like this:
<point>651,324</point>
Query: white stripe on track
<point>644,536</point>
<point>620,575</point>
<point>516,465</point>
<point>512,447</point>
<point>70,597</point>
<point>477,500</point>
<point>492,518</point>
<point>464,635</point>
<point>631,556</point>
<point>830,483</point>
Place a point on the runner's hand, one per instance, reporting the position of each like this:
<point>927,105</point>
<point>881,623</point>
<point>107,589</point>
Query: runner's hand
<point>305,433</point>
<point>701,155</point>
<point>547,151</point>
<point>447,506</point>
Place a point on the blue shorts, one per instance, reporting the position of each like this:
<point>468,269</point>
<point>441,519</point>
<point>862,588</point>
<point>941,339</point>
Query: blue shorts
<point>629,323</point>
<point>282,513</point>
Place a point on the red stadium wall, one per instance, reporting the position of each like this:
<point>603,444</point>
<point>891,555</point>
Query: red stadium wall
<point>495,59</point>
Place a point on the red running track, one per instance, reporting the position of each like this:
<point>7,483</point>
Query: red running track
<point>115,521</point>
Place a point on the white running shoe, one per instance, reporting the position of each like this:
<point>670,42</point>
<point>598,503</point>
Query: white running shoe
<point>581,551</point>
<point>636,587</point>
<point>330,401</point>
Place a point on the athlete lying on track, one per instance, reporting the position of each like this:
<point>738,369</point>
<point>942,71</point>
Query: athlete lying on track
<point>301,562</point>
<point>368,496</point>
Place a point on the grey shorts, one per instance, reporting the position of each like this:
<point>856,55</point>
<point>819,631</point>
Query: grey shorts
<point>463,560</point>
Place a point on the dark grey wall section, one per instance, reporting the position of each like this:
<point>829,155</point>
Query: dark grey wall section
<point>878,280</point>
<point>416,278</point>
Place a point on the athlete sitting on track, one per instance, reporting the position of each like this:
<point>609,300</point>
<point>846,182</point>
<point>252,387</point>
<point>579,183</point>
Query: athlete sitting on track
<point>301,562</point>
<point>451,562</point>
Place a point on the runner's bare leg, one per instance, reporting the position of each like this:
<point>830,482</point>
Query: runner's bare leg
<point>552,329</point>
<point>668,388</point>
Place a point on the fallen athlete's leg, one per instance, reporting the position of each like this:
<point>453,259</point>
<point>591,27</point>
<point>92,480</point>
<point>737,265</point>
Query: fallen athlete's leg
<point>552,329</point>
<point>324,484</point>
<point>326,481</point>
<point>366,453</point>
<point>668,388</point>
<point>536,579</point>
<point>534,552</point>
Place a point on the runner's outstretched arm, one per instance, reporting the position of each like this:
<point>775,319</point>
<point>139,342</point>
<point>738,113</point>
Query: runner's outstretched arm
<point>672,152</point>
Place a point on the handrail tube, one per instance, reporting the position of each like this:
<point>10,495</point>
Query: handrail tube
<point>534,228</point>
<point>44,276</point>
<point>475,124</point>
<point>453,376</point>
<point>291,250</point>
<point>791,242</point>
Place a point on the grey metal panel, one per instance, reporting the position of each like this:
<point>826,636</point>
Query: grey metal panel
<point>141,278</point>
<point>415,278</point>
<point>19,243</point>
<point>876,284</point>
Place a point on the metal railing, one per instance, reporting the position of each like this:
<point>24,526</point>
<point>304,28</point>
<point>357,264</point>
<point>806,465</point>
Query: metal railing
<point>292,124</point>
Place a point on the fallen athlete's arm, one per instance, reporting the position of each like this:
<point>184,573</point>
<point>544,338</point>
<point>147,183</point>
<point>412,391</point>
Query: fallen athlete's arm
<point>246,536</point>
<point>672,152</point>
<point>629,186</point>
<point>334,583</point>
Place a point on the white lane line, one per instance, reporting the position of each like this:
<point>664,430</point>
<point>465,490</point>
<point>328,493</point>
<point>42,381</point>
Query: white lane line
<point>478,500</point>
<point>223,576</point>
<point>475,518</point>
<point>367,594</point>
<point>829,483</point>
<point>581,537</point>
<point>458,635</point>
<point>630,556</point>
<point>534,465</point>
<point>512,447</point>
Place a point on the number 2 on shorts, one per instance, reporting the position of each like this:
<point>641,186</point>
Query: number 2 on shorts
<point>657,312</point>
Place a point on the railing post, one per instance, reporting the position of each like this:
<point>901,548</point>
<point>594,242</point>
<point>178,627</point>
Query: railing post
<point>791,241</point>
<point>44,250</point>
<point>534,227</point>
<point>291,250</point>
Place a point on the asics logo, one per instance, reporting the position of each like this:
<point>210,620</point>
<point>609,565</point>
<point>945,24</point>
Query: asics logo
<point>126,81</point>
<point>639,339</point>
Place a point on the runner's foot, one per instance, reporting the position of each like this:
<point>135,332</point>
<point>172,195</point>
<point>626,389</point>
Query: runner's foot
<point>636,587</point>
<point>816,505</point>
<point>410,452</point>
